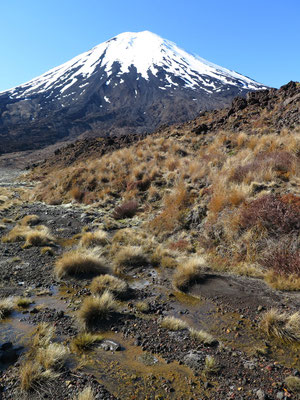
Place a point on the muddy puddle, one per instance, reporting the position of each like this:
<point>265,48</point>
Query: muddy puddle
<point>131,373</point>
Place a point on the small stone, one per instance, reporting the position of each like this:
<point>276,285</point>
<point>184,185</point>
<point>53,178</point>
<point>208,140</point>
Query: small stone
<point>259,308</point>
<point>261,394</point>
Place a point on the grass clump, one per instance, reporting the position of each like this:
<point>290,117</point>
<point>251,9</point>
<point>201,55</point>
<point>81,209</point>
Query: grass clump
<point>86,394</point>
<point>188,273</point>
<point>31,374</point>
<point>142,306</point>
<point>44,359</point>
<point>30,220</point>
<point>116,286</point>
<point>130,257</point>
<point>39,236</point>
<point>85,341</point>
<point>210,366</point>
<point>92,239</point>
<point>173,324</point>
<point>23,302</point>
<point>80,263</point>
<point>293,383</point>
<point>52,356</point>
<point>95,310</point>
<point>281,325</point>
<point>202,336</point>
<point>47,250</point>
<point>6,307</point>
<point>42,335</point>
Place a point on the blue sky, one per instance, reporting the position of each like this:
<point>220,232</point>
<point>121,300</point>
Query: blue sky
<point>260,39</point>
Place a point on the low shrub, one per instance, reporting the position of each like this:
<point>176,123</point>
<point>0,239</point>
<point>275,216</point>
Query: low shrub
<point>126,210</point>
<point>271,213</point>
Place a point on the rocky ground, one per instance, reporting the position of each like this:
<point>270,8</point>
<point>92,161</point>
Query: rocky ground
<point>139,359</point>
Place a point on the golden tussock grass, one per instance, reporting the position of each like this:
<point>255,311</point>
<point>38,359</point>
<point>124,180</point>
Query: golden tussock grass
<point>6,307</point>
<point>32,374</point>
<point>282,282</point>
<point>80,263</point>
<point>39,236</point>
<point>210,366</point>
<point>174,324</point>
<point>116,286</point>
<point>130,257</point>
<point>142,306</point>
<point>172,214</point>
<point>44,359</point>
<point>96,309</point>
<point>42,335</point>
<point>164,257</point>
<point>92,239</point>
<point>188,273</point>
<point>23,302</point>
<point>52,356</point>
<point>202,336</point>
<point>281,325</point>
<point>86,394</point>
<point>85,341</point>
<point>293,383</point>
<point>30,220</point>
<point>47,250</point>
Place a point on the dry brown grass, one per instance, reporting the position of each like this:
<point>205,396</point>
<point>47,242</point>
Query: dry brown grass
<point>116,286</point>
<point>277,281</point>
<point>39,236</point>
<point>85,341</point>
<point>30,220</point>
<point>95,310</point>
<point>175,171</point>
<point>93,239</point>
<point>80,263</point>
<point>6,307</point>
<point>130,257</point>
<point>293,383</point>
<point>44,359</point>
<point>86,394</point>
<point>52,357</point>
<point>174,324</point>
<point>23,302</point>
<point>188,273</point>
<point>32,374</point>
<point>281,325</point>
<point>202,336</point>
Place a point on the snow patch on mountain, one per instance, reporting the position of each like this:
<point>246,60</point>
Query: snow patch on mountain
<point>148,53</point>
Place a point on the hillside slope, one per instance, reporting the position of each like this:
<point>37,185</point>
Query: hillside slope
<point>228,193</point>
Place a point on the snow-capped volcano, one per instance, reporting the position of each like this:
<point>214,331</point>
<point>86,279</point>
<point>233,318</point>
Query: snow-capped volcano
<point>133,82</point>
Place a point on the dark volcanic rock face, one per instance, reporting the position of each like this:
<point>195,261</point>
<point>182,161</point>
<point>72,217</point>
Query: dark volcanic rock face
<point>132,83</point>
